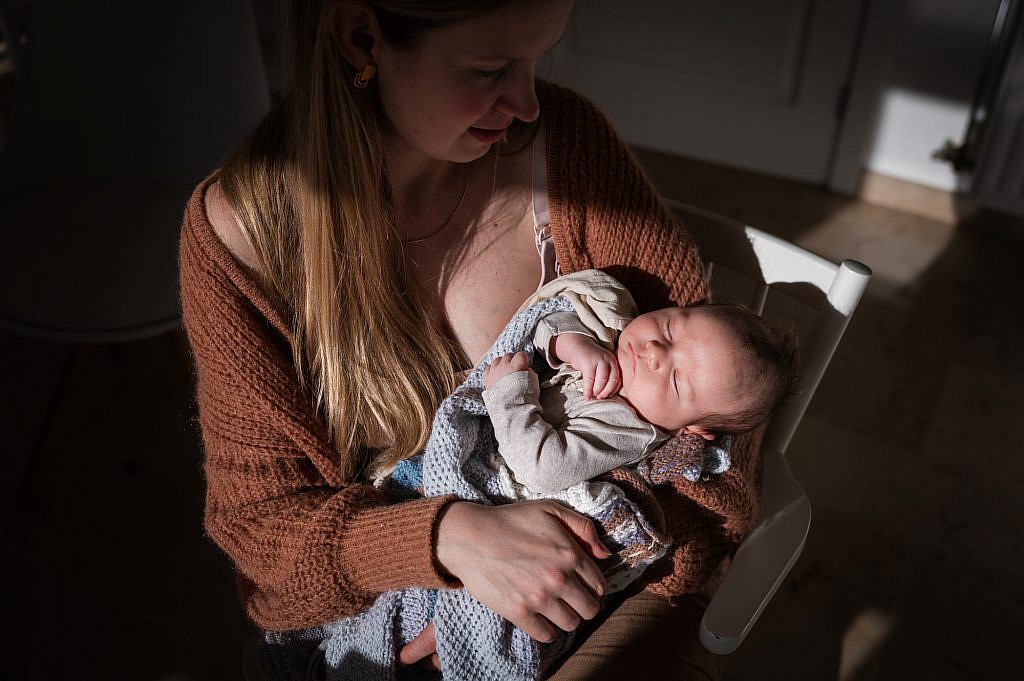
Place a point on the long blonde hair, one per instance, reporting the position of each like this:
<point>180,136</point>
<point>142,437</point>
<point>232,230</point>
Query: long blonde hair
<point>310,191</point>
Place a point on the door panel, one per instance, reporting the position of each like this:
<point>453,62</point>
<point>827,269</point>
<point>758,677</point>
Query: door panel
<point>753,85</point>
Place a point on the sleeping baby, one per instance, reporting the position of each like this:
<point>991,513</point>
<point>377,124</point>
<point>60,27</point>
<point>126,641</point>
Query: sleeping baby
<point>617,385</point>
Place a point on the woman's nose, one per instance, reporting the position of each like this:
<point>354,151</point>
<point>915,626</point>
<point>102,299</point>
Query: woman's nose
<point>519,98</point>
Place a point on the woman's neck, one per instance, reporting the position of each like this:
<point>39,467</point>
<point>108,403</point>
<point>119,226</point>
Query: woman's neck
<point>422,185</point>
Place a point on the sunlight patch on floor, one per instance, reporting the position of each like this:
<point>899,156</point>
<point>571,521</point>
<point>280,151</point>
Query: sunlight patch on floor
<point>897,252</point>
<point>862,640</point>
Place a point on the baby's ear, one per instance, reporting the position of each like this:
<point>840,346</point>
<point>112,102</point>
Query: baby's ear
<point>697,430</point>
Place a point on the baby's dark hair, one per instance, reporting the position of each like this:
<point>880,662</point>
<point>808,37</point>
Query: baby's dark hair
<point>770,363</point>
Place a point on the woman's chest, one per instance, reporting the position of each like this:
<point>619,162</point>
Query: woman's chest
<point>474,286</point>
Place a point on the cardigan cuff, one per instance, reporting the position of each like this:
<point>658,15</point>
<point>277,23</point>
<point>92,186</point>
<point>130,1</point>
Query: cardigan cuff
<point>393,547</point>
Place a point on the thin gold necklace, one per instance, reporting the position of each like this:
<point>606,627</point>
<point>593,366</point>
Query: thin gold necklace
<point>462,198</point>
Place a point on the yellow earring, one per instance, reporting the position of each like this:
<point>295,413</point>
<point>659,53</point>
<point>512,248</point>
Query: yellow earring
<point>364,77</point>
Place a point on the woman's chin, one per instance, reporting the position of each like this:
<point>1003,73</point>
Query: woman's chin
<point>468,150</point>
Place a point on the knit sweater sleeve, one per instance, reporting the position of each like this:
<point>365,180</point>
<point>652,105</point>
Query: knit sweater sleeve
<point>307,548</point>
<point>605,214</point>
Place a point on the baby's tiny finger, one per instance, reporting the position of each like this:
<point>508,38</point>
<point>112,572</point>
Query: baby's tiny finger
<point>600,379</point>
<point>614,380</point>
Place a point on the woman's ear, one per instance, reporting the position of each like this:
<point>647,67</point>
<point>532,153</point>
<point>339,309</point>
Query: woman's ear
<point>355,32</point>
<point>697,430</point>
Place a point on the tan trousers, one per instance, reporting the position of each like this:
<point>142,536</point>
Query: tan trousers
<point>643,638</point>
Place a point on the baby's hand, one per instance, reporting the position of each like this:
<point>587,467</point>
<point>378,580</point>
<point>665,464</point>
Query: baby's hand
<point>505,365</point>
<point>600,368</point>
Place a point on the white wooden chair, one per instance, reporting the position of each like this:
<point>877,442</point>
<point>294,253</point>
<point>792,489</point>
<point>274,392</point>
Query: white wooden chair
<point>831,292</point>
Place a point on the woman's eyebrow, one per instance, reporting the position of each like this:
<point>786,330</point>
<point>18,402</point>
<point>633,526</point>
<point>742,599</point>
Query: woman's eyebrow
<point>509,57</point>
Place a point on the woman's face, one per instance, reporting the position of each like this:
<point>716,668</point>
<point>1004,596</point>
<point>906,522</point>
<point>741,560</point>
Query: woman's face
<point>454,94</point>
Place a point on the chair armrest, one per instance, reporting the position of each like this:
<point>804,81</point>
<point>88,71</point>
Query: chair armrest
<point>762,561</point>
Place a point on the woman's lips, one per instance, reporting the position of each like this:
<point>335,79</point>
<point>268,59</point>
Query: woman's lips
<point>487,136</point>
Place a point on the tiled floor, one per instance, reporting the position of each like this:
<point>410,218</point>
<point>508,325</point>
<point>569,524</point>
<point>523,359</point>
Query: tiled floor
<point>911,454</point>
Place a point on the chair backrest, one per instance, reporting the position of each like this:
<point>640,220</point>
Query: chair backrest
<point>769,262</point>
<point>831,293</point>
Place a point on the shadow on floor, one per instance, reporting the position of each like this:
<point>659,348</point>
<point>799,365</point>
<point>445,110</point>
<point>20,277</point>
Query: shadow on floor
<point>115,577</point>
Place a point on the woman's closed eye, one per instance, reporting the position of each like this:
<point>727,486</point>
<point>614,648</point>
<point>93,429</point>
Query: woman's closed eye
<point>490,74</point>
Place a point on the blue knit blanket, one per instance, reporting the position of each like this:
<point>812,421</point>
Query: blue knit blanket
<point>473,642</point>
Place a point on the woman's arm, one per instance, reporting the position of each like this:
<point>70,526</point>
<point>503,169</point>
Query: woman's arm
<point>306,545</point>
<point>310,548</point>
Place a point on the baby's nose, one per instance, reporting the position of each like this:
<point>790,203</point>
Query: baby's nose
<point>653,353</point>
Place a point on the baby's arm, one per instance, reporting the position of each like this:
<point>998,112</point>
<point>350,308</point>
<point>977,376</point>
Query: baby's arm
<point>593,439</point>
<point>564,339</point>
<point>599,367</point>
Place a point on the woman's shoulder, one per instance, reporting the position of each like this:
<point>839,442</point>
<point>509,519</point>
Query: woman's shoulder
<point>555,94</point>
<point>217,265</point>
<point>605,213</point>
<point>221,217</point>
<point>579,135</point>
<point>562,105</point>
<point>211,227</point>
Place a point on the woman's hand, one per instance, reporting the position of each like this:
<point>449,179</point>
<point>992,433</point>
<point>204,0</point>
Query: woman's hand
<point>423,647</point>
<point>531,562</point>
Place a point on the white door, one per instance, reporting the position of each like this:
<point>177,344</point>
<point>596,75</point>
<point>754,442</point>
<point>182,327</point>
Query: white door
<point>755,84</point>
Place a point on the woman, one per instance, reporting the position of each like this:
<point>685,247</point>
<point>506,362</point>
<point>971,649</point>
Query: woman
<point>364,247</point>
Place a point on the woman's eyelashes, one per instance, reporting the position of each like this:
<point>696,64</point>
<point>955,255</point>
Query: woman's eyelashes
<point>490,74</point>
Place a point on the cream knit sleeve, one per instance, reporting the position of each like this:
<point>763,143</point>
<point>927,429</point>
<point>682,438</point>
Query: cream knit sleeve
<point>592,437</point>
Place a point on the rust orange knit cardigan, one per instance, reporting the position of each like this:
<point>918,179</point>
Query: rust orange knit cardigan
<point>308,548</point>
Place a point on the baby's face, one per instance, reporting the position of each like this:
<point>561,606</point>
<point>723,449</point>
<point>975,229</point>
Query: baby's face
<point>679,365</point>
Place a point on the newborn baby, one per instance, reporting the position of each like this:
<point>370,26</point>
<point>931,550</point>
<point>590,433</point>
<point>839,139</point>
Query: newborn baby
<point>617,386</point>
